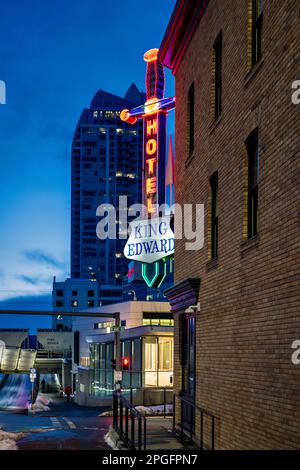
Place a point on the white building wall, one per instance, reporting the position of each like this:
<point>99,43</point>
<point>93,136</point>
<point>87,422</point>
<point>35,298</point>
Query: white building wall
<point>81,286</point>
<point>131,312</point>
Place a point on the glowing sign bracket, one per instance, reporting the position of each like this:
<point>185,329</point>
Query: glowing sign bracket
<point>159,275</point>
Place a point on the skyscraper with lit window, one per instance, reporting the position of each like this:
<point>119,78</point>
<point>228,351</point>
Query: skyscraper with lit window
<point>106,164</point>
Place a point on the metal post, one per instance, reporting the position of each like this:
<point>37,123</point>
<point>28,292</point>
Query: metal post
<point>117,342</point>
<point>118,413</point>
<point>165,399</point>
<point>191,422</point>
<point>126,424</point>
<point>213,433</point>
<point>173,412</point>
<point>201,431</point>
<point>121,418</point>
<point>139,433</point>
<point>114,410</point>
<point>132,431</point>
<point>145,434</point>
<point>131,396</point>
<point>181,411</point>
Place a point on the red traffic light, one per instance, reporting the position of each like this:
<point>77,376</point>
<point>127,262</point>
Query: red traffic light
<point>125,363</point>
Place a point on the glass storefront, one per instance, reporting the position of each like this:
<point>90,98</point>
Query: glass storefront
<point>158,361</point>
<point>150,363</point>
<point>102,374</point>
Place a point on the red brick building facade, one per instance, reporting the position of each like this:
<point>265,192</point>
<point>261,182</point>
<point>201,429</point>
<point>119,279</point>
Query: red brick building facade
<point>237,152</point>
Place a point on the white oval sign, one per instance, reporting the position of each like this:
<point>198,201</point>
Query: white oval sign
<point>150,240</point>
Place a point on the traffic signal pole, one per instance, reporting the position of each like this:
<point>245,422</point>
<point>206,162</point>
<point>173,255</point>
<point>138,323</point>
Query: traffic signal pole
<point>117,351</point>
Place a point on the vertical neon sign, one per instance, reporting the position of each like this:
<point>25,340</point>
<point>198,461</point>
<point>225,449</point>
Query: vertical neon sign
<point>154,114</point>
<point>151,173</point>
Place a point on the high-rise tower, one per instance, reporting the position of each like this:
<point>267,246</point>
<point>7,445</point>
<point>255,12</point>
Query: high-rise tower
<point>106,164</point>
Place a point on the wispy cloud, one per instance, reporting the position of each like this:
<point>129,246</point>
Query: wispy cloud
<point>34,280</point>
<point>28,279</point>
<point>27,302</point>
<point>41,257</point>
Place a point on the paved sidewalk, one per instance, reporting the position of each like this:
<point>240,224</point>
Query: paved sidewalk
<point>159,436</point>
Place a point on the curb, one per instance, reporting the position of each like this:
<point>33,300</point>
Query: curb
<point>112,439</point>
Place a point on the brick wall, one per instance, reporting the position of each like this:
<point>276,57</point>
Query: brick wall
<point>250,299</point>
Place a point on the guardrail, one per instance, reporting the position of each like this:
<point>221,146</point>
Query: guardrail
<point>129,423</point>
<point>164,401</point>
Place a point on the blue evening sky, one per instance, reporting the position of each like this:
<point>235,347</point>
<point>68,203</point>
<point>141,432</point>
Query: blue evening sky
<point>54,56</point>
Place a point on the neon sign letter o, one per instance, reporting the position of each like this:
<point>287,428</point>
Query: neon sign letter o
<point>151,147</point>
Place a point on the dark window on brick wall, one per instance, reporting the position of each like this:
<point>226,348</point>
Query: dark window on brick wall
<point>218,75</point>
<point>214,215</point>
<point>191,117</point>
<point>257,23</point>
<point>252,145</point>
<point>188,356</point>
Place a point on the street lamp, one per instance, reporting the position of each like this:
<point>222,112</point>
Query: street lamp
<point>132,292</point>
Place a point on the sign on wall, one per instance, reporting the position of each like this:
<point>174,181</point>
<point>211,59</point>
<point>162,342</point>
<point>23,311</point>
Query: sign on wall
<point>150,240</point>
<point>55,340</point>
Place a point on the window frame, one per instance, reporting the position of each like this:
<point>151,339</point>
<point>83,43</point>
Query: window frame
<point>218,56</point>
<point>257,25</point>
<point>191,118</point>
<point>214,226</point>
<point>188,355</point>
<point>252,145</point>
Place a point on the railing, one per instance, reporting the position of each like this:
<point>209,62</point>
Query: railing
<point>191,431</point>
<point>164,402</point>
<point>129,423</point>
<point>48,354</point>
<point>134,378</point>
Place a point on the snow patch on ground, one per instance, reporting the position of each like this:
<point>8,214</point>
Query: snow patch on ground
<point>106,413</point>
<point>41,404</point>
<point>8,440</point>
<point>155,410</point>
<point>109,441</point>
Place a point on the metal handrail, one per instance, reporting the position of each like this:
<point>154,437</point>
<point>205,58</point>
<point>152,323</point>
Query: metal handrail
<point>203,412</point>
<point>120,402</point>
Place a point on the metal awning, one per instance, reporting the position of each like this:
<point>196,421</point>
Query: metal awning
<point>16,360</point>
<point>131,333</point>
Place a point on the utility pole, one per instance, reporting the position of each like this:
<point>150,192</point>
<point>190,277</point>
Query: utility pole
<point>117,351</point>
